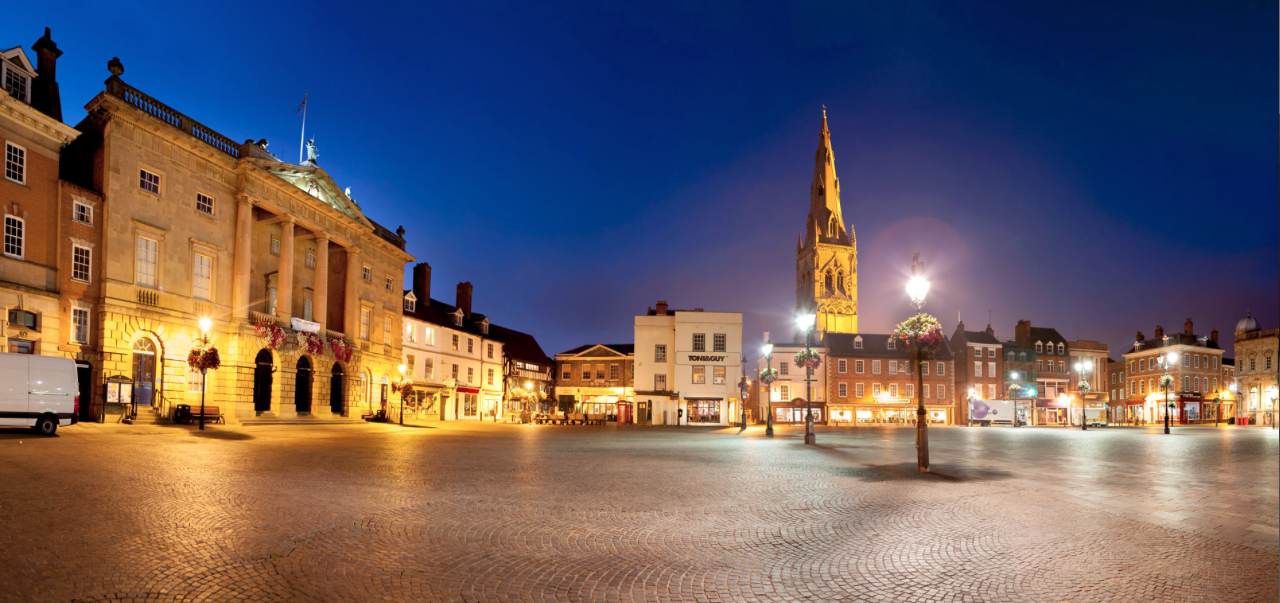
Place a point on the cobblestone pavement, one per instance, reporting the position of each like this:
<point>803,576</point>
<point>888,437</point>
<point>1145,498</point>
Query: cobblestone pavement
<point>467,512</point>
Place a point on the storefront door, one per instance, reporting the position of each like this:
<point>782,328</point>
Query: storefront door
<point>144,371</point>
<point>642,412</point>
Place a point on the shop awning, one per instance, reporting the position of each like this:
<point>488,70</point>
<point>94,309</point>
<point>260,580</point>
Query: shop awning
<point>468,390</point>
<point>701,398</point>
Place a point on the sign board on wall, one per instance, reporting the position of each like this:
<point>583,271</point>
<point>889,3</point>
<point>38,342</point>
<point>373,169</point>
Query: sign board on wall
<point>708,358</point>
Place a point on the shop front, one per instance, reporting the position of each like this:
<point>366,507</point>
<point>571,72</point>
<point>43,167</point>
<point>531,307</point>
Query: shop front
<point>793,412</point>
<point>898,413</point>
<point>704,410</point>
<point>1052,411</point>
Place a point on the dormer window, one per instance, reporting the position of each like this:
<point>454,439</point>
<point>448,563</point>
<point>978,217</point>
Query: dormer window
<point>457,318</point>
<point>857,343</point>
<point>1039,347</point>
<point>408,304</point>
<point>17,84</point>
<point>892,346</point>
<point>1062,349</point>
<point>484,327</point>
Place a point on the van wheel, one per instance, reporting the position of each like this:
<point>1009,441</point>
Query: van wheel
<point>46,425</point>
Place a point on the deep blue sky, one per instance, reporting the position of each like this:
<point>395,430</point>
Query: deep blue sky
<point>1091,168</point>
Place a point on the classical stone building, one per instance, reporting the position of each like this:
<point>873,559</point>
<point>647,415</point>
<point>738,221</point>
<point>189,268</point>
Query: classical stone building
<point>1256,363</point>
<point>827,253</point>
<point>1197,391</point>
<point>195,225</point>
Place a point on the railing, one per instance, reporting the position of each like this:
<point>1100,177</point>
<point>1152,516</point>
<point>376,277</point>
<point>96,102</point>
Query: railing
<point>117,88</point>
<point>259,319</point>
<point>148,297</point>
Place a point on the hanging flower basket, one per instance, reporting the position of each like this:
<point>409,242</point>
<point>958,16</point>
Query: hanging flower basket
<point>1166,381</point>
<point>808,357</point>
<point>312,343</point>
<point>1084,386</point>
<point>403,387</point>
<point>204,358</point>
<point>271,334</point>
<point>921,334</point>
<point>768,376</point>
<point>342,350</point>
<point>1015,390</point>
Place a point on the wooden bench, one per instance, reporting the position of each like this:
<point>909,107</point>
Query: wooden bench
<point>191,413</point>
<point>595,419</point>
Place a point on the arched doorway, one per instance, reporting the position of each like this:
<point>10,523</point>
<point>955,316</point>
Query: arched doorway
<point>302,387</point>
<point>144,371</point>
<point>336,390</point>
<point>263,367</point>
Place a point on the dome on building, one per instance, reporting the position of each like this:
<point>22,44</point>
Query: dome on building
<point>1248,323</point>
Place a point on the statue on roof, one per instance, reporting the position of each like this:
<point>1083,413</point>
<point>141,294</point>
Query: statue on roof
<point>312,153</point>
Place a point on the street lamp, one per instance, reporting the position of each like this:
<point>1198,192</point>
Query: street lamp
<point>917,288</point>
<point>742,402</point>
<point>767,348</point>
<point>205,325</point>
<point>401,368</point>
<point>1166,360</point>
<point>804,322</point>
<point>1083,369</point>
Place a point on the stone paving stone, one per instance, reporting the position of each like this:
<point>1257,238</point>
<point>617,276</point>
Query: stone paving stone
<point>483,512</point>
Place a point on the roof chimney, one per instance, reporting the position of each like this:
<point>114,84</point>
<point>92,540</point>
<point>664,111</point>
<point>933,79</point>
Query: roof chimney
<point>464,298</point>
<point>44,93</point>
<point>422,283</point>
<point>1022,334</point>
<point>1187,327</point>
<point>1140,337</point>
<point>990,331</point>
<point>1214,335</point>
<point>1159,332</point>
<point>662,308</point>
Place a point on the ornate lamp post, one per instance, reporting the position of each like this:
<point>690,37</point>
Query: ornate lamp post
<point>767,378</point>
<point>1166,381</point>
<point>922,334</point>
<point>205,325</point>
<point>805,322</point>
<point>742,404</point>
<point>1083,369</point>
<point>402,389</point>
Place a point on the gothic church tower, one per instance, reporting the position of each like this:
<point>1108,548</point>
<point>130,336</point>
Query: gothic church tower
<point>826,253</point>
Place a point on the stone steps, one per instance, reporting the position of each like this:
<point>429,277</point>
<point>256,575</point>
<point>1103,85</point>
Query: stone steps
<point>259,421</point>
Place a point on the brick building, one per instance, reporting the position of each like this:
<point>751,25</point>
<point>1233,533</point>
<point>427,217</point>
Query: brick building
<point>1196,391</point>
<point>599,378</point>
<point>1116,391</point>
<point>1052,372</point>
<point>979,368</point>
<point>872,382</point>
<point>1088,362</point>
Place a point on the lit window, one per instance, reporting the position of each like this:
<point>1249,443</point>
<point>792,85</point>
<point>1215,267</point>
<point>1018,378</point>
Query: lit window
<point>490,376</point>
<point>14,236</point>
<point>204,204</point>
<point>148,181</point>
<point>148,254</point>
<point>15,163</point>
<point>455,341</point>
<point>366,316</point>
<point>82,213</point>
<point>785,391</point>
<point>386,330</point>
<point>81,258</point>
<point>80,325</point>
<point>410,333</point>
<point>699,374</point>
<point>428,368</point>
<point>471,374</point>
<point>893,390</point>
<point>718,375</point>
<point>202,277</point>
<point>911,391</point>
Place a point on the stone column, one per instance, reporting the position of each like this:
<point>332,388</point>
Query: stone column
<point>284,278</point>
<point>240,263</point>
<point>320,309</point>
<point>352,309</point>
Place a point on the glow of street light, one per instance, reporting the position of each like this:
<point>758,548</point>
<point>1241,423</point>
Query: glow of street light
<point>528,385</point>
<point>767,349</point>
<point>401,368</point>
<point>917,288</point>
<point>804,322</point>
<point>205,324</point>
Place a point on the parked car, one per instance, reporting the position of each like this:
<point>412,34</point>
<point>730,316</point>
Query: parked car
<point>41,392</point>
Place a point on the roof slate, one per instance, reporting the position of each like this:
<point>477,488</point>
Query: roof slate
<point>874,345</point>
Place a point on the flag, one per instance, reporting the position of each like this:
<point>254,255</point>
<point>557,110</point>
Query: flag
<point>303,105</point>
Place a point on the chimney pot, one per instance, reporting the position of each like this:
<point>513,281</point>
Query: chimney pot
<point>1159,332</point>
<point>662,308</point>
<point>1214,335</point>
<point>1187,327</point>
<point>45,97</point>
<point>464,298</point>
<point>1139,337</point>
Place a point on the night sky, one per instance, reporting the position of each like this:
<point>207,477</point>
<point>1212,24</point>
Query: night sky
<point>1094,169</point>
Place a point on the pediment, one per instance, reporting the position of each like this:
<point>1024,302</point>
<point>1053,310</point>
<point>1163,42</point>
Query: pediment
<point>16,55</point>
<point>316,182</point>
<point>600,350</point>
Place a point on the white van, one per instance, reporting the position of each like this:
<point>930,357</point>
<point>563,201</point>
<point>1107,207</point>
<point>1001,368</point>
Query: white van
<point>38,391</point>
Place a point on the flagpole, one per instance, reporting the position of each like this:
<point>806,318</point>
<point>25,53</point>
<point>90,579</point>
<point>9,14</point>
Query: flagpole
<point>302,142</point>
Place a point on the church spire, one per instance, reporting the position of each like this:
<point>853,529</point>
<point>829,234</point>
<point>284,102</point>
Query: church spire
<point>826,222</point>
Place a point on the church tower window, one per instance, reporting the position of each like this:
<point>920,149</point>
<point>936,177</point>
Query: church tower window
<point>828,283</point>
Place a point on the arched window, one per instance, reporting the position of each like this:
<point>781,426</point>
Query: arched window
<point>144,345</point>
<point>840,280</point>
<point>828,280</point>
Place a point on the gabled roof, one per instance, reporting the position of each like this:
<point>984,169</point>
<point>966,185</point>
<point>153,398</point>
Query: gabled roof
<point>521,346</point>
<point>621,349</point>
<point>17,56</point>
<point>875,345</point>
<point>1046,335</point>
<point>1176,339</point>
<point>982,337</point>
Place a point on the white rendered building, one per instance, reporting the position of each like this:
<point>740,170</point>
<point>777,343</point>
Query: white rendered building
<point>688,366</point>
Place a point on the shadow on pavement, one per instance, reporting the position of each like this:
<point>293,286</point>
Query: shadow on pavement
<point>222,435</point>
<point>908,471</point>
